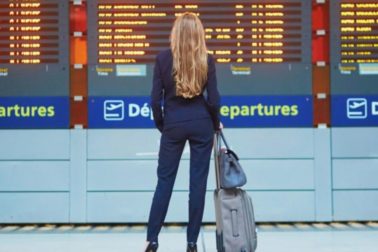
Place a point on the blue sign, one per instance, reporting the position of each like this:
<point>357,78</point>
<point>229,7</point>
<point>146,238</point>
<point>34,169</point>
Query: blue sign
<point>354,110</point>
<point>236,111</point>
<point>119,112</point>
<point>267,111</point>
<point>34,112</point>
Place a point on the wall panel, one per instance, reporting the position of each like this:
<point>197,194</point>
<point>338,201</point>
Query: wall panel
<point>34,176</point>
<point>34,207</point>
<point>34,145</point>
<point>355,205</point>
<point>355,174</point>
<point>355,142</point>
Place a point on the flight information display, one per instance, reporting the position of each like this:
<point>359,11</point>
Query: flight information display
<point>359,32</point>
<point>248,39</point>
<point>34,42</point>
<point>354,46</point>
<point>257,33</point>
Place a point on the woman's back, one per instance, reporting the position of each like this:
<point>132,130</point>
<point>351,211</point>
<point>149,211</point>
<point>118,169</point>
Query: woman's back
<point>177,108</point>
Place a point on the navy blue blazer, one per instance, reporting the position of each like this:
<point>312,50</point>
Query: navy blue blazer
<point>169,108</point>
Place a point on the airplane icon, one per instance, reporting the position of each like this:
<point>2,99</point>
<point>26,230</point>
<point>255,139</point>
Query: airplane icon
<point>357,108</point>
<point>114,110</point>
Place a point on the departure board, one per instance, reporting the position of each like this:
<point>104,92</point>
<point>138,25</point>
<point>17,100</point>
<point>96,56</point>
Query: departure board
<point>354,46</point>
<point>34,47</point>
<point>248,39</point>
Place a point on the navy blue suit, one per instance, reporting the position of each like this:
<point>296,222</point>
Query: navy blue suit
<point>180,120</point>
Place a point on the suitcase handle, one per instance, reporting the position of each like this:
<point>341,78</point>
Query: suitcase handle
<point>217,146</point>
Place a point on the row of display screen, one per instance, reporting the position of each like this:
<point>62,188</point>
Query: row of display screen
<point>236,33</point>
<point>249,40</point>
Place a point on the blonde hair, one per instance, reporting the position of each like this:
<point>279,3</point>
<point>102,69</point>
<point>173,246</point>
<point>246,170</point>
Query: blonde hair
<point>189,55</point>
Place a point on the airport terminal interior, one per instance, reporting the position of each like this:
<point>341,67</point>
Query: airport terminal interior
<point>78,145</point>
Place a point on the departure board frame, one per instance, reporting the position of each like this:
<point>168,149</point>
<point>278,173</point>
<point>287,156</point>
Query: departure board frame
<point>245,78</point>
<point>34,45</point>
<point>351,33</point>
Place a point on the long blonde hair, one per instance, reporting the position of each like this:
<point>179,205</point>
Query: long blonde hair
<point>189,55</point>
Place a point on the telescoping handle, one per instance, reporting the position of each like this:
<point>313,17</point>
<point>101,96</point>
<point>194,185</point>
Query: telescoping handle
<point>217,147</point>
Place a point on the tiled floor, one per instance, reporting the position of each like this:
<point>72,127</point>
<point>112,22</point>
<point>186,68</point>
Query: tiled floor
<point>335,237</point>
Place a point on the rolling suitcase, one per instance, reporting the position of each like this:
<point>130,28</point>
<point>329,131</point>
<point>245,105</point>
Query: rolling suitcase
<point>235,223</point>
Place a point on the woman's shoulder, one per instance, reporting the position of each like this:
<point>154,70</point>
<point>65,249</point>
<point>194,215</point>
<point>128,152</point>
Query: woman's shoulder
<point>165,54</point>
<point>210,59</point>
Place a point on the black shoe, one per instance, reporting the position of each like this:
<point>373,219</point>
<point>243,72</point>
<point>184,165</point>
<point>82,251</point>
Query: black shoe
<point>192,247</point>
<point>152,247</point>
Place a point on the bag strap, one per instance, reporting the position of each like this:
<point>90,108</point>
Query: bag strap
<point>224,139</point>
<point>218,139</point>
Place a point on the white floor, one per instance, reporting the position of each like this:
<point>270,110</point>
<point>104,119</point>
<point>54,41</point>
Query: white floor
<point>359,240</point>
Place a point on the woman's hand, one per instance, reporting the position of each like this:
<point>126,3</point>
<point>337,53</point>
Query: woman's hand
<point>220,126</point>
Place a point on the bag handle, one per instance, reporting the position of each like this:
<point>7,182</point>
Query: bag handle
<point>218,139</point>
<point>232,153</point>
<point>223,139</point>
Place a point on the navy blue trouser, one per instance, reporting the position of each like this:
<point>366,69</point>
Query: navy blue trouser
<point>200,135</point>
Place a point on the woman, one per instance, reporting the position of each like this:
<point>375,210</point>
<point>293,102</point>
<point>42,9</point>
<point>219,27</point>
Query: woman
<point>181,75</point>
